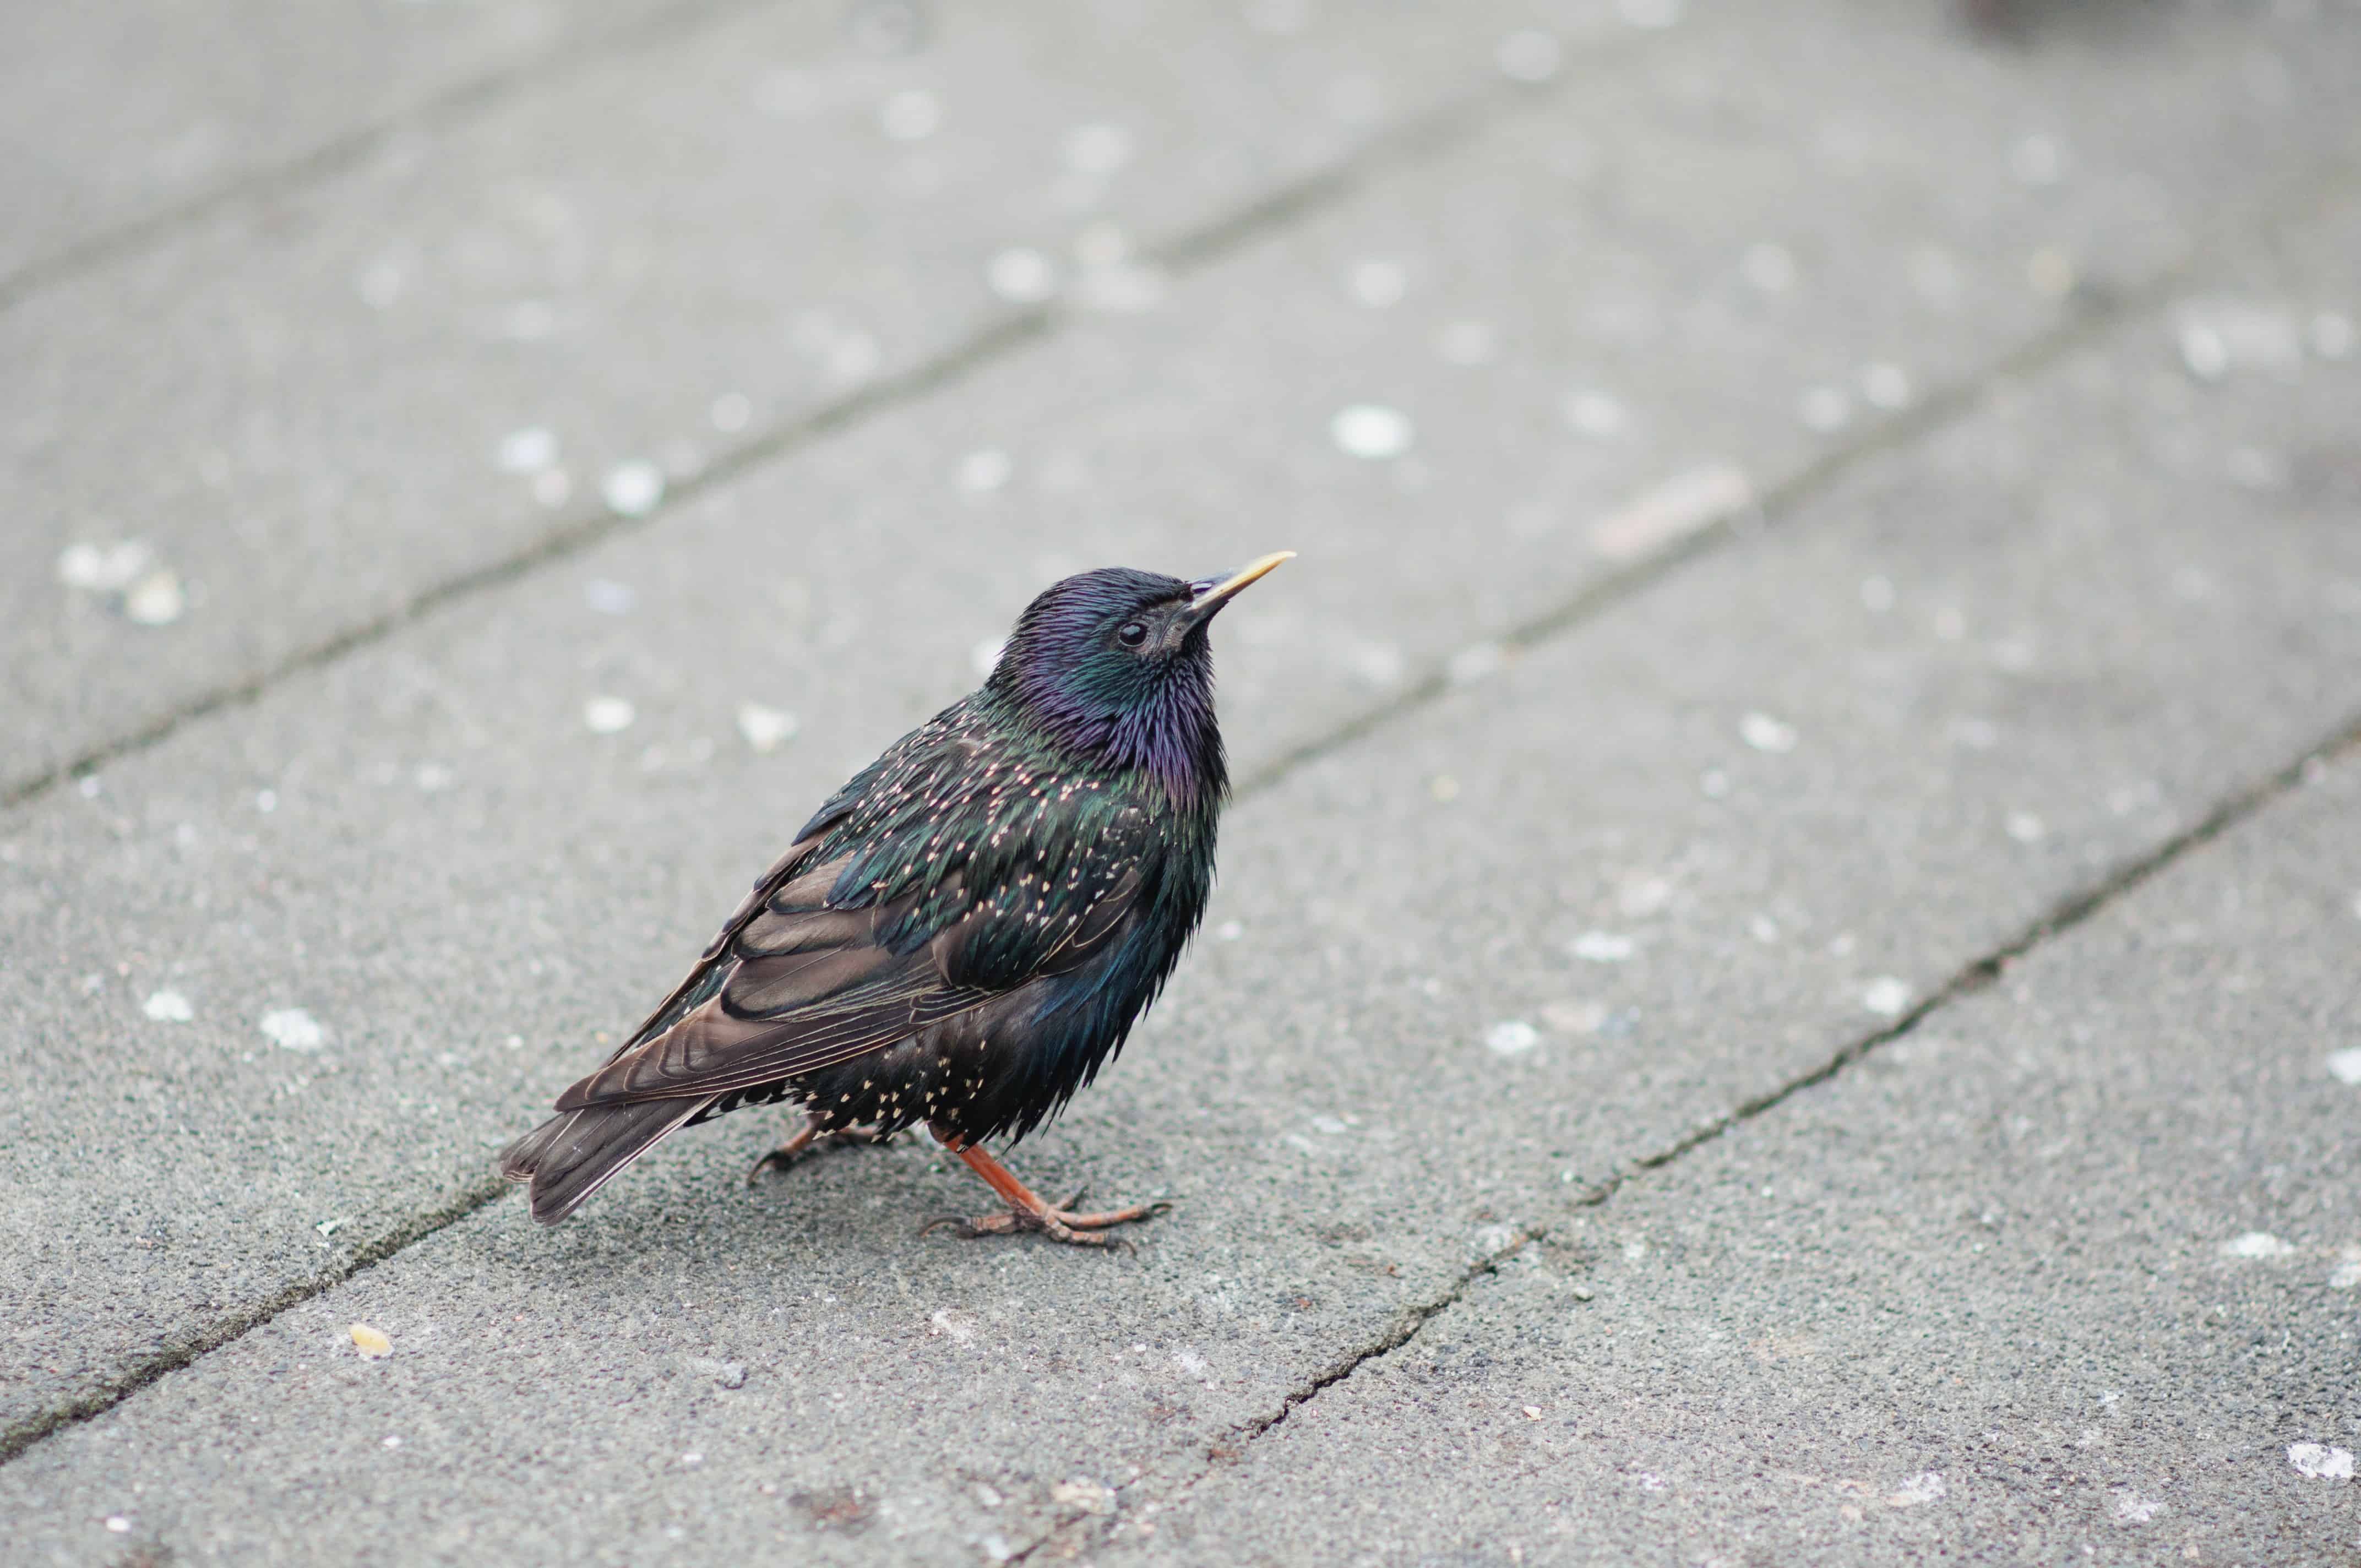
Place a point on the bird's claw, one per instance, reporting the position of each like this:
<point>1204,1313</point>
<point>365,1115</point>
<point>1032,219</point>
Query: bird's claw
<point>1060,1224</point>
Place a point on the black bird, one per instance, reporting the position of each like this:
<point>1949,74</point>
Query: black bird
<point>966,930</point>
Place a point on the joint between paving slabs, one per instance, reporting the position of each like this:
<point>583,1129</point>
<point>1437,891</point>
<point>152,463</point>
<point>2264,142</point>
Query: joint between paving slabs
<point>2062,916</point>
<point>1438,131</point>
<point>348,149</point>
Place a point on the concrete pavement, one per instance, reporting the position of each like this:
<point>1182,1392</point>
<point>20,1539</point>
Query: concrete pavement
<point>1586,810</point>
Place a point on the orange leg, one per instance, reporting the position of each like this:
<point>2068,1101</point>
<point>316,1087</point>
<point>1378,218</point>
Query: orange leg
<point>800,1146</point>
<point>1027,1211</point>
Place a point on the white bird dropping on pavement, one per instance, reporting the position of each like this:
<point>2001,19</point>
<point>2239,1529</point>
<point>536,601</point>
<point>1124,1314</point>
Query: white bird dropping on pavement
<point>1511,1037</point>
<point>633,489</point>
<point>608,715</point>
<point>292,1029</point>
<point>2345,1066</point>
<point>1887,997</point>
<point>2320,1459</point>
<point>1765,733</point>
<point>167,1008</point>
<point>2255,1244</point>
<point>1371,431</point>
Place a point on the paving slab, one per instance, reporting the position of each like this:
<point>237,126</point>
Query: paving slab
<point>2066,1273</point>
<point>1726,245</point>
<point>1497,951</point>
<point>110,121</point>
<point>670,253</point>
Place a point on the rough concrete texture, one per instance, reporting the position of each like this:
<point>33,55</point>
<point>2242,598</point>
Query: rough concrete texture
<point>1642,246</point>
<point>1328,1088</point>
<point>1865,496</point>
<point>2065,1273</point>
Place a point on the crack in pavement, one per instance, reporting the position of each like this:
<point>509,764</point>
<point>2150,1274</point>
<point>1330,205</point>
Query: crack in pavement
<point>1438,130</point>
<point>2062,916</point>
<point>349,148</point>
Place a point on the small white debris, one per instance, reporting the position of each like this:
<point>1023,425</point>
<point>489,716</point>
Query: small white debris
<point>2345,1066</point>
<point>2202,352</point>
<point>610,598</point>
<point>691,1461</point>
<point>996,1549</point>
<point>1767,267</point>
<point>373,1346</point>
<point>2346,1275</point>
<point>103,568</point>
<point>1887,996</point>
<point>1022,276</point>
<point>1371,431</point>
<point>1602,947</point>
<point>1467,343</point>
<point>2320,1460</point>
<point>1080,1492</point>
<point>1191,1365</point>
<point>155,600</point>
<point>266,801</point>
<point>1097,149</point>
<point>1511,1037</point>
<point>2039,161</point>
<point>2331,336</point>
<point>1918,1489</point>
<point>1885,386</point>
<point>633,489</point>
<point>167,1008</point>
<point>2133,1509</point>
<point>1376,284</point>
<point>950,1323</point>
<point>1765,733</point>
<point>764,728</point>
<point>985,655</point>
<point>391,1443</point>
<point>1529,55</point>
<point>1652,15</point>
<point>982,472</point>
<point>2257,1243</point>
<point>1595,415</point>
<point>911,114</point>
<point>1825,409</point>
<point>330,1227</point>
<point>292,1029</point>
<point>1685,505</point>
<point>609,715</point>
<point>987,1494</point>
<point>2026,828</point>
<point>118,1524</point>
<point>1228,931</point>
<point>2050,274</point>
<point>1476,661</point>
<point>526,451</point>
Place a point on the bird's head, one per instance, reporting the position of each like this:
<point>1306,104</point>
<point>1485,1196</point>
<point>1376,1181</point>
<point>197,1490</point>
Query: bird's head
<point>1117,665</point>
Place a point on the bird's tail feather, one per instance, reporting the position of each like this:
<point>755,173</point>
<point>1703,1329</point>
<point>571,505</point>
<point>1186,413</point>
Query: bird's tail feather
<point>568,1158</point>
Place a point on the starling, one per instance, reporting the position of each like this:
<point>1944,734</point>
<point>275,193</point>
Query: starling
<point>965,932</point>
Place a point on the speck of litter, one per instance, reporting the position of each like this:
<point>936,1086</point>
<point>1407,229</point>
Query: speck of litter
<point>2024,826</point>
<point>1918,1489</point>
<point>1765,733</point>
<point>171,1008</point>
<point>292,1029</point>
<point>266,801</point>
<point>118,1524</point>
<point>103,568</point>
<point>982,472</point>
<point>526,451</point>
<point>1529,55</point>
<point>1228,931</point>
<point>1595,415</point>
<point>764,728</point>
<point>2133,1509</point>
<point>2345,1066</point>
<point>1531,1413</point>
<point>1825,409</point>
<point>1371,431</point>
<point>1511,1037</point>
<point>1097,149</point>
<point>1467,343</point>
<point>1021,276</point>
<point>390,1442</point>
<point>373,1346</point>
<point>692,1460</point>
<point>2320,1460</point>
<point>609,715</point>
<point>633,489</point>
<point>610,598</point>
<point>1376,284</point>
<point>1602,947</point>
<point>911,114</point>
<point>1887,996</point>
<point>2257,1245</point>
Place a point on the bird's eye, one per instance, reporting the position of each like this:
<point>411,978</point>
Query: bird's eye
<point>1131,633</point>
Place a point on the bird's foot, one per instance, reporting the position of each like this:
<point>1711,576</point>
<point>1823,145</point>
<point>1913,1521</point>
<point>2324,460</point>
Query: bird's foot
<point>811,1141</point>
<point>1058,1222</point>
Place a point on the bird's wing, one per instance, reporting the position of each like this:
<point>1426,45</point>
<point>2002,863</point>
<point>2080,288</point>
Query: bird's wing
<point>812,974</point>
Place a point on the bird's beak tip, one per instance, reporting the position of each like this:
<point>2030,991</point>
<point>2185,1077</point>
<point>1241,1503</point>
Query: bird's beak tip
<point>1210,594</point>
